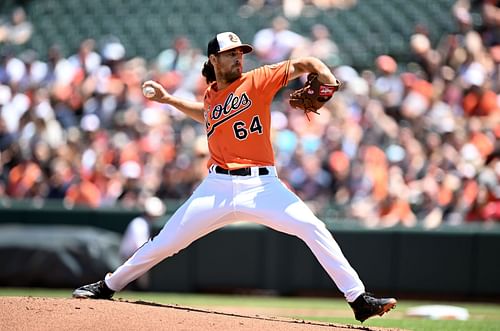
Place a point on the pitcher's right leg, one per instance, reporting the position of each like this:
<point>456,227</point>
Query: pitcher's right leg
<point>205,211</point>
<point>168,242</point>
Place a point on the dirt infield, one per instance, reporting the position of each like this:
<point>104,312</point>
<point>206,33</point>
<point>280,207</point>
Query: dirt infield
<point>30,313</point>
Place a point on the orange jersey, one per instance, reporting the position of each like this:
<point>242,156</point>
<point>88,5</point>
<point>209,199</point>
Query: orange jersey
<point>238,118</point>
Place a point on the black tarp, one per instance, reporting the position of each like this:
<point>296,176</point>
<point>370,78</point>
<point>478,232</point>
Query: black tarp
<point>56,256</point>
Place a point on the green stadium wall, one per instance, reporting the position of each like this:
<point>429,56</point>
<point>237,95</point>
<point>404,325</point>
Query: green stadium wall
<point>460,262</point>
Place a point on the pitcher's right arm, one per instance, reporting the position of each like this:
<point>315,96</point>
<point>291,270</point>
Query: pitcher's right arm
<point>192,109</point>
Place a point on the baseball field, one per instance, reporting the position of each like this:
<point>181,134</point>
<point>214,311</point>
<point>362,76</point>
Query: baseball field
<point>45,309</point>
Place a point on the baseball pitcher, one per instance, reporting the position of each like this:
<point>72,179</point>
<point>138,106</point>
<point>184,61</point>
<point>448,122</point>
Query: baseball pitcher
<point>242,184</point>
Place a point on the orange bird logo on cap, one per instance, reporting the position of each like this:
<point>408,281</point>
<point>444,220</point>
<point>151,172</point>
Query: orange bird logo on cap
<point>233,38</point>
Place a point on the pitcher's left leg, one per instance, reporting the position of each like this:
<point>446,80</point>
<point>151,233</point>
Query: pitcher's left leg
<point>301,222</point>
<point>280,209</point>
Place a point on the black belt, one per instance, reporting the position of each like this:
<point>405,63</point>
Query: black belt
<point>241,171</point>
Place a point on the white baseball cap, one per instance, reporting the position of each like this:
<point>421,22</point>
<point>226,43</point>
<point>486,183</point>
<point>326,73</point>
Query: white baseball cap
<point>226,41</point>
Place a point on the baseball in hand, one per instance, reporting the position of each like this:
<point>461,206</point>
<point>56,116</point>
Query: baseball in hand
<point>148,92</point>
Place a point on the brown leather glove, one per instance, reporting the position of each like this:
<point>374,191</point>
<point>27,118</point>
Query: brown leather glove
<point>313,95</point>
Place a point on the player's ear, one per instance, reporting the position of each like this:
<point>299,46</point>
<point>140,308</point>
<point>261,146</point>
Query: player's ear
<point>213,59</point>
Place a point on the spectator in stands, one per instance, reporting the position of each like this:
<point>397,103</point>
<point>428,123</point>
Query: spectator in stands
<point>6,137</point>
<point>490,20</point>
<point>18,30</point>
<point>180,57</point>
<point>3,180</point>
<point>417,99</point>
<point>388,86</point>
<point>258,6</point>
<point>490,180</point>
<point>60,71</point>
<point>182,60</point>
<point>311,182</point>
<point>276,43</point>
<point>479,99</point>
<point>296,8</point>
<point>425,56</point>
<point>395,208</point>
<point>60,177</point>
<point>322,46</point>
<point>86,59</point>
<point>199,164</point>
<point>23,179</point>
<point>82,192</point>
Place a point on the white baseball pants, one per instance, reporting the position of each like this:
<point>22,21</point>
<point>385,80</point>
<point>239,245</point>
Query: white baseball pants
<point>222,199</point>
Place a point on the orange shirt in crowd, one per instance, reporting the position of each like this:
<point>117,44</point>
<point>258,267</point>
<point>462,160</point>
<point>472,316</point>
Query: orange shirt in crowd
<point>399,209</point>
<point>377,169</point>
<point>484,144</point>
<point>480,104</point>
<point>22,177</point>
<point>85,193</point>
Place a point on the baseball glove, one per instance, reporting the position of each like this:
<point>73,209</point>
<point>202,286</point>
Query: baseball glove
<point>313,95</point>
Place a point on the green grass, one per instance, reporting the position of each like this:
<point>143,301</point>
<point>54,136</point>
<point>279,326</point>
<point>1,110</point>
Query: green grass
<point>483,317</point>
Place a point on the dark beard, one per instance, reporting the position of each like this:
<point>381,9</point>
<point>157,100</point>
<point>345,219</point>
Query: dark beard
<point>231,77</point>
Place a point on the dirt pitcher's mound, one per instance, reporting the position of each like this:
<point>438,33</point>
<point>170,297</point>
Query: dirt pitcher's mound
<point>29,313</point>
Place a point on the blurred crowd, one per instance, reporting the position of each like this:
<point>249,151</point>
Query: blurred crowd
<point>400,144</point>
<point>294,8</point>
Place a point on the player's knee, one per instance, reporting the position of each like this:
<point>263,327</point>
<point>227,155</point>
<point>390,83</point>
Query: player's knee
<point>308,228</point>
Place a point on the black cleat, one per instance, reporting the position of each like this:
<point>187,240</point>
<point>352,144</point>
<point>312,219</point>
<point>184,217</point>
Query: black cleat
<point>366,306</point>
<point>97,290</point>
